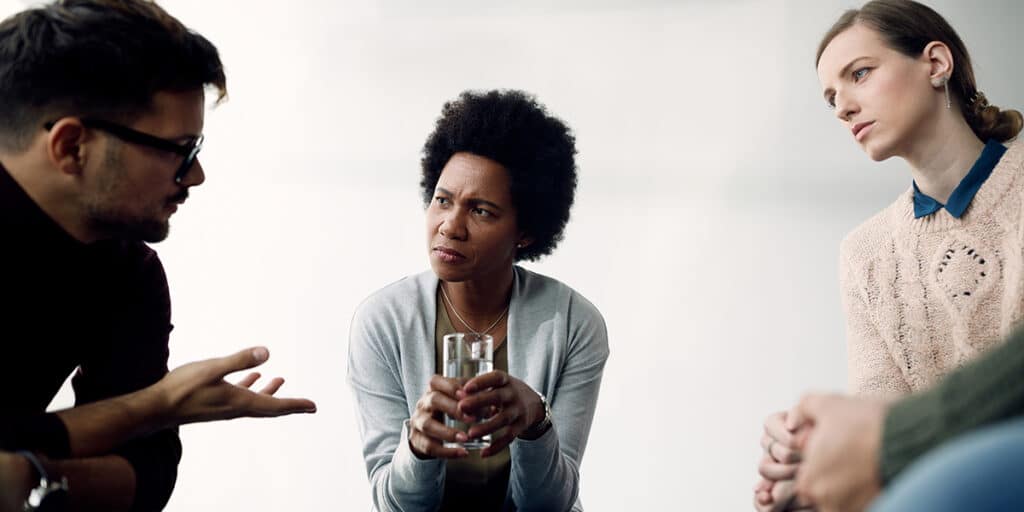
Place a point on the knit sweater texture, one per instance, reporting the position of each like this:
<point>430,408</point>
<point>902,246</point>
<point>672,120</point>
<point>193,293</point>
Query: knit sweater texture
<point>924,296</point>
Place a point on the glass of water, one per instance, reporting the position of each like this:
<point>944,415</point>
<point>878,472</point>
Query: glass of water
<point>465,357</point>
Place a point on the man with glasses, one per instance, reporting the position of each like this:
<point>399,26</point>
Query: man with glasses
<point>101,120</point>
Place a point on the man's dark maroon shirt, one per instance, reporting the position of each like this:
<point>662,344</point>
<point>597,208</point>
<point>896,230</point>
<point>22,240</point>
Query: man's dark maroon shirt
<point>101,310</point>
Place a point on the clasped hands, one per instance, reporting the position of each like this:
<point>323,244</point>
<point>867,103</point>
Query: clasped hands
<point>502,401</point>
<point>776,491</point>
<point>821,455</point>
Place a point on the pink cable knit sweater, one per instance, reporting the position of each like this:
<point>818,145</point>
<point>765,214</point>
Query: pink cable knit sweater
<point>924,296</point>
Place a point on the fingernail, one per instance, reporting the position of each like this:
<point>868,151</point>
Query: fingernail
<point>460,437</point>
<point>260,354</point>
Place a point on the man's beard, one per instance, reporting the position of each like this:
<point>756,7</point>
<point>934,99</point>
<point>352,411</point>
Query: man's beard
<point>107,217</point>
<point>121,227</point>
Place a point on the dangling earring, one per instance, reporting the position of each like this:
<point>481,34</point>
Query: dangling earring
<point>944,83</point>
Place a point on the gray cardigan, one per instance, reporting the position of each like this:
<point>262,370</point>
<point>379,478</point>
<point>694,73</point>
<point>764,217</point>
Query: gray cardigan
<point>557,344</point>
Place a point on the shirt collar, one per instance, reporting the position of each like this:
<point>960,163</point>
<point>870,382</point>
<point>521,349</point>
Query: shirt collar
<point>964,193</point>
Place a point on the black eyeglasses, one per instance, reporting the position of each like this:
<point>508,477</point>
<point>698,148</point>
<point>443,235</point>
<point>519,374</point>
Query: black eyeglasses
<point>188,150</point>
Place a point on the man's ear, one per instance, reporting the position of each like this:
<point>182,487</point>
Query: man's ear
<point>65,145</point>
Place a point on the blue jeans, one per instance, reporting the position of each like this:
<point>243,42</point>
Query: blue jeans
<point>979,471</point>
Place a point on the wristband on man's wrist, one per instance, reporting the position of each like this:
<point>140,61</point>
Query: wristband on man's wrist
<point>50,494</point>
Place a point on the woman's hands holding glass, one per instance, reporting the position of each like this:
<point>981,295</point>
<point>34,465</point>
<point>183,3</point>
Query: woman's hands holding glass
<point>507,401</point>
<point>428,433</point>
<point>512,404</point>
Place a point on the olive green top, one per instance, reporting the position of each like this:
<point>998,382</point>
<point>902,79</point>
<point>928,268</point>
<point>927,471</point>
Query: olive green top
<point>472,483</point>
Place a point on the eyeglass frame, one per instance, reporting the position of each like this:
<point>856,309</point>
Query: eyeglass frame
<point>190,151</point>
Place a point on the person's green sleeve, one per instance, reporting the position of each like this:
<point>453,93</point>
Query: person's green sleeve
<point>986,391</point>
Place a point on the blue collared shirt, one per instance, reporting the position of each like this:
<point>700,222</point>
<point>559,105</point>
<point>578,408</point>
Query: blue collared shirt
<point>961,197</point>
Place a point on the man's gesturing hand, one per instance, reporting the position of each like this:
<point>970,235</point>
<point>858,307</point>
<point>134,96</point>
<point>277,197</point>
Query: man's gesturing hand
<point>198,392</point>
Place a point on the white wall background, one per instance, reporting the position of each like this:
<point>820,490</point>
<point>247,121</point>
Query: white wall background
<point>714,190</point>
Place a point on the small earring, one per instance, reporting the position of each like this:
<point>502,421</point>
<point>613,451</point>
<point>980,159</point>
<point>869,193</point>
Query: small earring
<point>520,245</point>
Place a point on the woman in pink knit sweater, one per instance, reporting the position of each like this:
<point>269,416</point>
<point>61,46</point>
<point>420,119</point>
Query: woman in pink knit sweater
<point>937,277</point>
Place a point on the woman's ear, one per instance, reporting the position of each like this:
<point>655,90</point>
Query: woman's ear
<point>940,61</point>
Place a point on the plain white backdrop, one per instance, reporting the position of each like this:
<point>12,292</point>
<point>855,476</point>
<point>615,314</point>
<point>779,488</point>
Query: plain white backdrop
<point>714,190</point>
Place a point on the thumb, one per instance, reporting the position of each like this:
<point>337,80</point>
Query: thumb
<point>241,360</point>
<point>801,437</point>
<point>804,412</point>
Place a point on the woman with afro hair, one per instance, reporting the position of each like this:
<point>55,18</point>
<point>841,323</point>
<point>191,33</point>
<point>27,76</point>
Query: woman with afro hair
<point>498,180</point>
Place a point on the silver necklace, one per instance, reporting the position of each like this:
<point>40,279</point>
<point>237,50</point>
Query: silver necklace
<point>463,320</point>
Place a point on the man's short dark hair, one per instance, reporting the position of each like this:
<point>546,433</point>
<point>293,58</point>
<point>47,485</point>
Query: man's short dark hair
<point>537,149</point>
<point>96,58</point>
